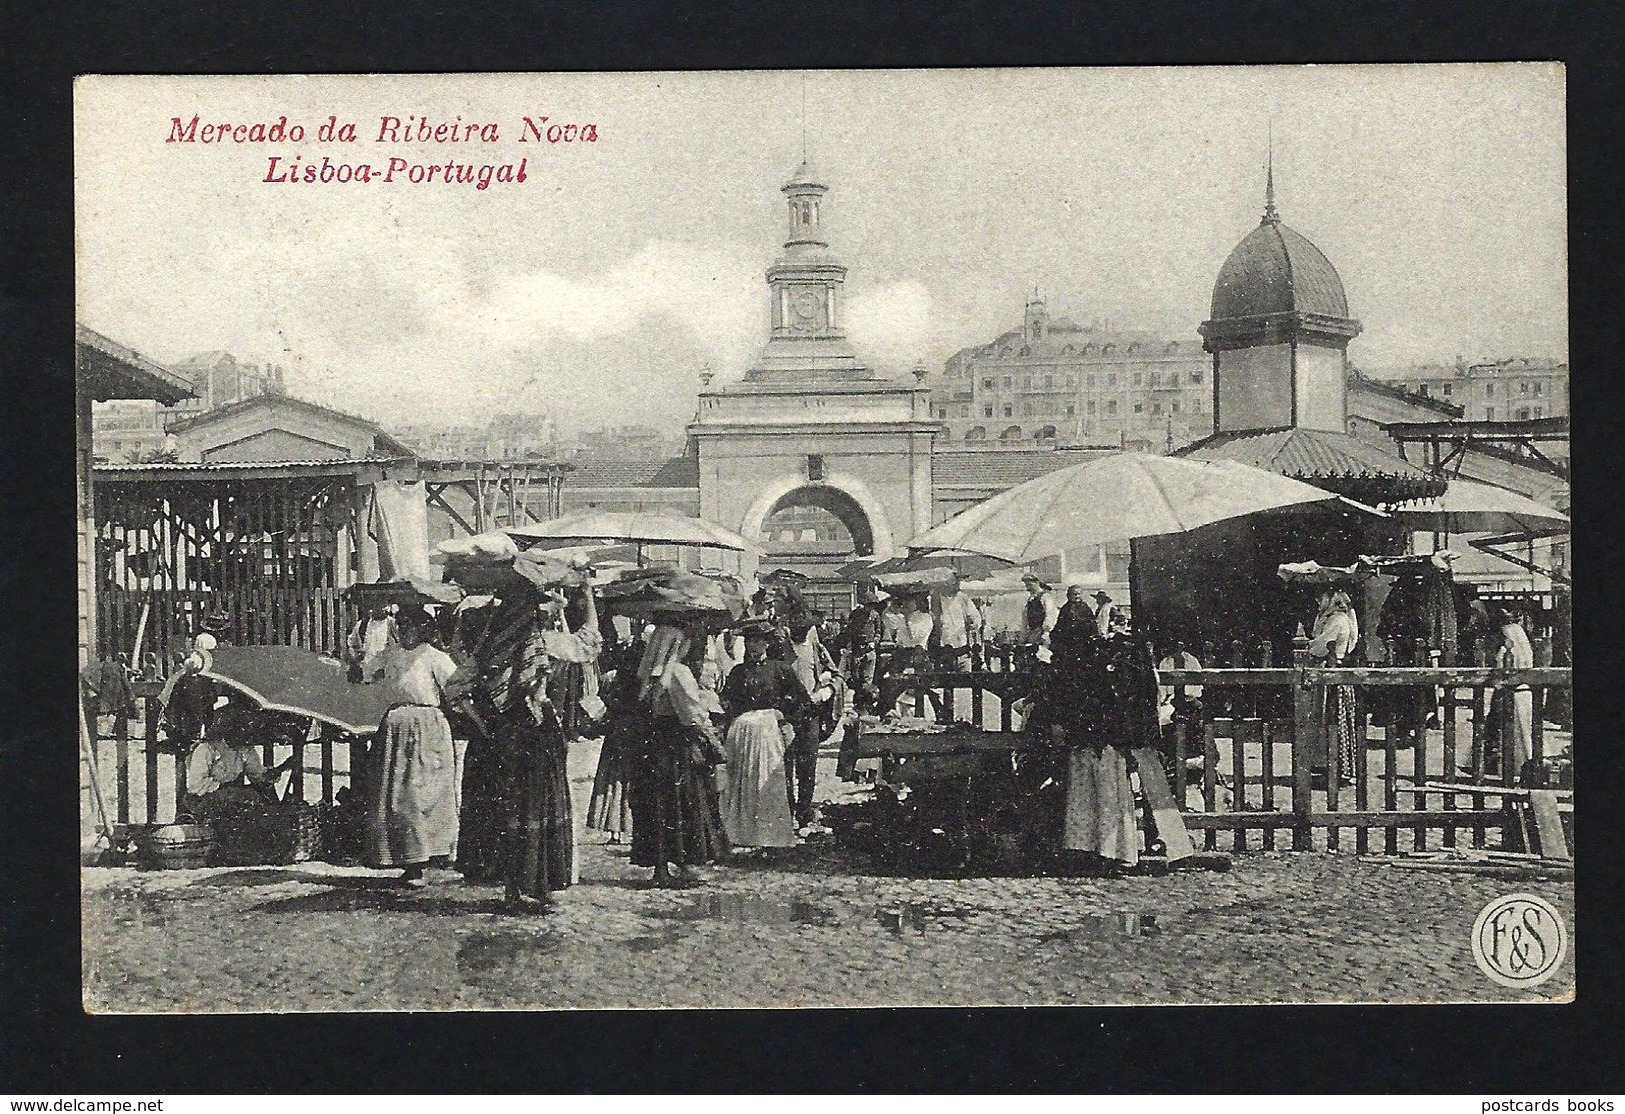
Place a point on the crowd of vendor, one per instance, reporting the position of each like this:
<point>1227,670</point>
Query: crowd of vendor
<point>712,709</point>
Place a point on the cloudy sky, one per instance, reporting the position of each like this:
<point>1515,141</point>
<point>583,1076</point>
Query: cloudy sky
<point>598,288</point>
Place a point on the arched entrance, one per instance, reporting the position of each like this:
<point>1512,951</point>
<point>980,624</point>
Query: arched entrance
<point>817,520</point>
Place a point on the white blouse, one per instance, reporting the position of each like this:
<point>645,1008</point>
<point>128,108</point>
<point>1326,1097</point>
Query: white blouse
<point>418,675</point>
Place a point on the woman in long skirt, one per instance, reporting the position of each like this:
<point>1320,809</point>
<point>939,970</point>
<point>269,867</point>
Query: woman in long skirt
<point>1335,637</point>
<point>763,694</point>
<point>1093,718</point>
<point>540,836</point>
<point>1513,709</point>
<point>609,809</point>
<point>676,821</point>
<point>411,813</point>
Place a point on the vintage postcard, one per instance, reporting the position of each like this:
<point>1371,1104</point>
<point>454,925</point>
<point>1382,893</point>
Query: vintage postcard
<point>735,539</point>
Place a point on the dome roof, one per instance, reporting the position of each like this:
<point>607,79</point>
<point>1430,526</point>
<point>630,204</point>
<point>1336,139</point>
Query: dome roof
<point>804,176</point>
<point>1276,270</point>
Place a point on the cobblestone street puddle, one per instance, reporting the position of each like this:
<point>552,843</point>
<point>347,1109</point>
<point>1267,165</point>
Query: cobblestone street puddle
<point>743,909</point>
<point>913,917</point>
<point>1105,926</point>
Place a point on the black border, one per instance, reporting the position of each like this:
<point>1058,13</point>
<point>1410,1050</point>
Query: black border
<point>50,1047</point>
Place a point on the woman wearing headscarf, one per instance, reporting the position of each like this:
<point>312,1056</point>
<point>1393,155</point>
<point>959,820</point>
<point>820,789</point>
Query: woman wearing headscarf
<point>411,814</point>
<point>764,696</point>
<point>1334,639</point>
<point>609,809</point>
<point>676,821</point>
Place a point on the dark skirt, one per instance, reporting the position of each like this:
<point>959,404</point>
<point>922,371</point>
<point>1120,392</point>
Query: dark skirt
<point>675,815</point>
<point>609,809</point>
<point>517,825</point>
<point>488,778</point>
<point>540,842</point>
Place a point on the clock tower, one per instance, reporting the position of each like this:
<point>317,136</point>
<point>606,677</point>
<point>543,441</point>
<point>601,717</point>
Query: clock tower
<point>805,284</point>
<point>809,424</point>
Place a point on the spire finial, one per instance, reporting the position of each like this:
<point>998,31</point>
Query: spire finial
<point>1270,215</point>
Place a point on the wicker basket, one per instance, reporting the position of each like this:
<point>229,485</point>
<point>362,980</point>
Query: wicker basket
<point>175,847</point>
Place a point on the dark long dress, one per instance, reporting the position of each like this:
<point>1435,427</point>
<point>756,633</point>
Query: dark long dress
<point>516,795</point>
<point>675,815</point>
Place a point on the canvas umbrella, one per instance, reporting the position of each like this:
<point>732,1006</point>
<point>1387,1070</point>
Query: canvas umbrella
<point>1117,497</point>
<point>1468,506</point>
<point>300,682</point>
<point>639,527</point>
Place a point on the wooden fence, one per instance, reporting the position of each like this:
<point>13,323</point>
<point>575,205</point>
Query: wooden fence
<point>1262,778</point>
<point>316,618</point>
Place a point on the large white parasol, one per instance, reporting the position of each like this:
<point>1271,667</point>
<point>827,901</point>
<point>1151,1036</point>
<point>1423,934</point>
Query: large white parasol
<point>1118,497</point>
<point>639,527</point>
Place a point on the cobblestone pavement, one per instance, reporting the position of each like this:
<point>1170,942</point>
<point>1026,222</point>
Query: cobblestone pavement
<point>815,927</point>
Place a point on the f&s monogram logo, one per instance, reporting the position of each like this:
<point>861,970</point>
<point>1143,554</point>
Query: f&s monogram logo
<point>1519,940</point>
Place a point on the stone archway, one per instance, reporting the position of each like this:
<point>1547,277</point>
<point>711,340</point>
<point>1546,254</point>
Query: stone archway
<point>836,503</point>
<point>846,497</point>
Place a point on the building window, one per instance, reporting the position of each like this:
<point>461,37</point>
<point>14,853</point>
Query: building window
<point>942,412</point>
<point>1011,433</point>
<point>1489,413</point>
<point>1196,375</point>
<point>1049,382</point>
<point>1071,380</point>
<point>1111,379</point>
<point>1535,390</point>
<point>1522,414</point>
<point>1072,410</point>
<point>1523,389</point>
<point>1025,351</point>
<point>1091,382</point>
<point>1026,382</point>
<point>1446,390</point>
<point>1156,378</point>
<point>1539,411</point>
<point>987,384</point>
<point>1174,406</point>
<point>1008,382</point>
<point>1139,408</point>
<point>1009,411</point>
<point>1139,380</point>
<point>1489,390</point>
<point>1111,406</point>
<point>1133,348</point>
<point>1422,389</point>
<point>1156,407</point>
<point>1090,406</point>
<point>976,433</point>
<point>1068,350</point>
<point>1107,349</point>
<point>987,411</point>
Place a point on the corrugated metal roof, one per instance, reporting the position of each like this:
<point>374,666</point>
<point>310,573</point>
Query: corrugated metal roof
<point>677,472</point>
<point>1302,452</point>
<point>115,371</point>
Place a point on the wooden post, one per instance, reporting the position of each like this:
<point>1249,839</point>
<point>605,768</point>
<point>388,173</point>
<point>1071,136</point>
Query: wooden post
<point>151,757</point>
<point>1304,722</point>
<point>121,735</point>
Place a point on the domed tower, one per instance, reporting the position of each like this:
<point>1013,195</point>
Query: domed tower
<point>1279,333</point>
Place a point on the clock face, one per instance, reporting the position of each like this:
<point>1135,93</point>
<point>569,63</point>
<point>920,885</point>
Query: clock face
<point>806,305</point>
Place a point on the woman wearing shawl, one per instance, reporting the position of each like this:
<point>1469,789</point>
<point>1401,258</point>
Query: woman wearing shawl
<point>764,696</point>
<point>1335,637</point>
<point>1085,708</point>
<point>521,798</point>
<point>674,803</point>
